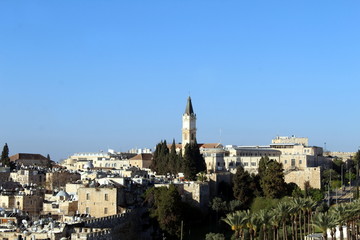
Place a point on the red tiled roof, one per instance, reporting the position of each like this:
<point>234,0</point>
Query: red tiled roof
<point>27,156</point>
<point>200,145</point>
<point>143,156</point>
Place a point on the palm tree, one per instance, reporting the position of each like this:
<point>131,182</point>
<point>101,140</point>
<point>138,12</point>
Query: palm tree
<point>275,222</point>
<point>340,211</point>
<point>324,221</point>
<point>310,205</point>
<point>237,222</point>
<point>283,209</point>
<point>264,217</point>
<point>351,215</point>
<point>296,210</point>
<point>252,223</point>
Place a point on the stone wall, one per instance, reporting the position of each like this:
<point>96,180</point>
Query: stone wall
<point>91,234</point>
<point>313,175</point>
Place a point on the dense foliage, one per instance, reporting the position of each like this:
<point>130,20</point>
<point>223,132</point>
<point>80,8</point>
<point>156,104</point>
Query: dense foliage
<point>272,180</point>
<point>166,207</point>
<point>269,182</point>
<point>194,162</point>
<point>242,186</point>
<point>171,162</point>
<point>168,211</point>
<point>294,218</point>
<point>5,160</point>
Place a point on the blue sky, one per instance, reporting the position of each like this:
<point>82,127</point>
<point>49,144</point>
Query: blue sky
<point>80,76</point>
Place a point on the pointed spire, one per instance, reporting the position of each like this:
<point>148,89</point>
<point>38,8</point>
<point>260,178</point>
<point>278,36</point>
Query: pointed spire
<point>189,109</point>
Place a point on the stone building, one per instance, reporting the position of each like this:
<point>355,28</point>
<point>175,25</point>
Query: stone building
<point>30,203</point>
<point>310,174</point>
<point>58,179</point>
<point>197,194</point>
<point>142,160</point>
<point>297,154</point>
<point>248,157</point>
<point>110,160</point>
<point>28,176</point>
<point>31,159</point>
<point>101,201</point>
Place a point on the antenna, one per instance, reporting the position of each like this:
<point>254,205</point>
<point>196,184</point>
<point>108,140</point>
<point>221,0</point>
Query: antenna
<point>220,134</point>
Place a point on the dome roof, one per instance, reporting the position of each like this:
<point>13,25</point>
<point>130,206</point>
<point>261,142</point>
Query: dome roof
<point>64,194</point>
<point>88,165</point>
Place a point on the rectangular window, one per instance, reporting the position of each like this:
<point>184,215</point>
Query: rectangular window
<point>253,164</point>
<point>106,197</point>
<point>293,162</point>
<point>105,211</point>
<point>300,161</point>
<point>87,210</point>
<point>87,196</point>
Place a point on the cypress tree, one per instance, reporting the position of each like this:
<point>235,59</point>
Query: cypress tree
<point>272,182</point>
<point>189,164</point>
<point>160,162</point>
<point>262,165</point>
<point>5,160</point>
<point>242,186</point>
<point>49,164</point>
<point>173,158</point>
<point>156,158</point>
<point>198,158</point>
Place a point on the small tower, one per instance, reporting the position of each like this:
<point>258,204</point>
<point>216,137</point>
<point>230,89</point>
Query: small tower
<point>188,125</point>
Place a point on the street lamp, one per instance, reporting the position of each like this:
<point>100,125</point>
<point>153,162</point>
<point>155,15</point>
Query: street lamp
<point>342,177</point>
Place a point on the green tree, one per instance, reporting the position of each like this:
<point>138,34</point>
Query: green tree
<point>272,182</point>
<point>324,221</point>
<point>214,236</point>
<point>198,157</point>
<point>263,165</point>
<point>340,210</point>
<point>166,207</point>
<point>316,194</point>
<point>49,163</point>
<point>5,160</point>
<point>219,206</point>
<point>189,164</point>
<point>263,203</point>
<point>237,221</point>
<point>241,186</point>
<point>264,216</point>
<point>173,159</point>
<point>160,163</point>
<point>234,205</point>
<point>337,163</point>
<point>327,174</point>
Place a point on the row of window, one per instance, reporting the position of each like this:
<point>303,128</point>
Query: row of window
<point>106,196</point>
<point>255,154</point>
<point>87,210</point>
<point>293,161</point>
<point>245,164</point>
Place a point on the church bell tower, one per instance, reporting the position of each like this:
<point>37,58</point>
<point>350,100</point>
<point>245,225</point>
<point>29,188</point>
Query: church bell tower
<point>188,125</point>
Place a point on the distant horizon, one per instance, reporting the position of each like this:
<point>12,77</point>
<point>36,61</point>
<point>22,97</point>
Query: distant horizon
<point>80,76</point>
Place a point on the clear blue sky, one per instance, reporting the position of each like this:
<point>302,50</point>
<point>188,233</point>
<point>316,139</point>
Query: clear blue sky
<point>80,76</point>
